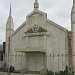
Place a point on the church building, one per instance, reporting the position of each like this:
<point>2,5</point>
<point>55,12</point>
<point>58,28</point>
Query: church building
<point>39,43</point>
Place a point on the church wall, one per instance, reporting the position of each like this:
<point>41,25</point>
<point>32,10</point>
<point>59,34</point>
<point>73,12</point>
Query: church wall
<point>56,46</point>
<point>21,43</point>
<point>55,42</point>
<point>18,42</point>
<point>38,41</point>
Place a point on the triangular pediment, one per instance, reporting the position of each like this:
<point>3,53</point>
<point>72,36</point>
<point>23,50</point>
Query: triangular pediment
<point>37,11</point>
<point>36,17</point>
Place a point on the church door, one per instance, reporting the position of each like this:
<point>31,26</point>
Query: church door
<point>35,61</point>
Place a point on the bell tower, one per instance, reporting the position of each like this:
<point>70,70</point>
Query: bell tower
<point>9,30</point>
<point>73,32</point>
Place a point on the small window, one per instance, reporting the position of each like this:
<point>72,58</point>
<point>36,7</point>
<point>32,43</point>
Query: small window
<point>1,57</point>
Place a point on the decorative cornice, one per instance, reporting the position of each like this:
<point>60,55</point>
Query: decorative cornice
<point>40,30</point>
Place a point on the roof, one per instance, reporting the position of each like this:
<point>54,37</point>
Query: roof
<point>19,28</point>
<point>57,25</point>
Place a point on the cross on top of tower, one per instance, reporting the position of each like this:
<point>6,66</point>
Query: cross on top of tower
<point>36,4</point>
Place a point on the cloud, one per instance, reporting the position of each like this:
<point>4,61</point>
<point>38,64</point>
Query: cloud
<point>57,11</point>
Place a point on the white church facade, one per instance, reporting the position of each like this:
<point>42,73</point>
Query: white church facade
<point>39,43</point>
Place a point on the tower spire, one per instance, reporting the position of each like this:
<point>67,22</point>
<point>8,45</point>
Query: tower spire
<point>73,32</point>
<point>36,4</point>
<point>10,10</point>
<point>10,16</point>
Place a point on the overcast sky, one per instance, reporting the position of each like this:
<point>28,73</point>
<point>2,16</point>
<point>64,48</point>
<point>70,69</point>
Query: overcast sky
<point>57,11</point>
